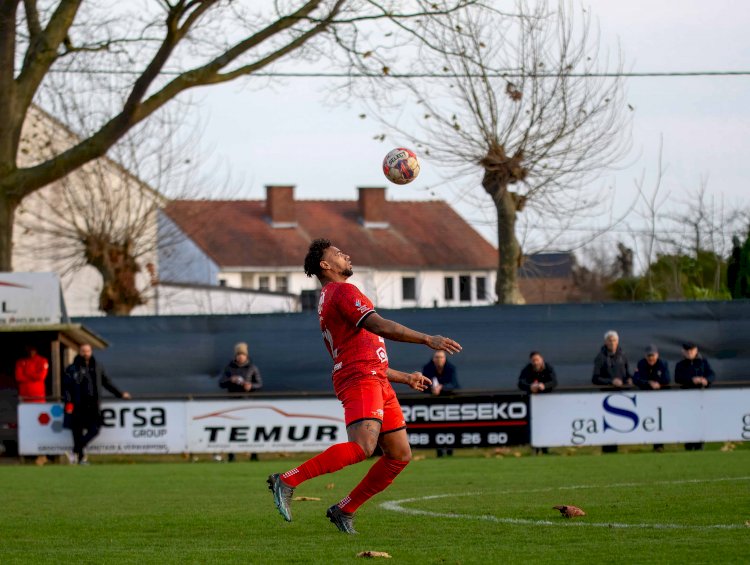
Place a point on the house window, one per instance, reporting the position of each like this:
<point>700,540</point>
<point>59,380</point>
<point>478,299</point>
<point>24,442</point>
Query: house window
<point>282,284</point>
<point>464,288</point>
<point>264,282</point>
<point>448,292</point>
<point>308,300</point>
<point>247,280</point>
<point>408,288</point>
<point>481,288</point>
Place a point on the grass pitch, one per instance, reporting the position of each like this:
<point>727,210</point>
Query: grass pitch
<point>673,507</point>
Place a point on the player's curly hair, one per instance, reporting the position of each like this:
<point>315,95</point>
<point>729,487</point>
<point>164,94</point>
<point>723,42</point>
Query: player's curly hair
<point>315,256</point>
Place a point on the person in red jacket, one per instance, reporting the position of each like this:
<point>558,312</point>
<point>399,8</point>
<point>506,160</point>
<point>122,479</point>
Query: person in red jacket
<point>31,372</point>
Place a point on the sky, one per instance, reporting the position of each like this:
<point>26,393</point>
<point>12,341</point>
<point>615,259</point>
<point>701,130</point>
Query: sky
<point>289,133</point>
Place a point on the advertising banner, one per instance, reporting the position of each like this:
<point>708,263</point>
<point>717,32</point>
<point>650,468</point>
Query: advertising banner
<point>467,421</point>
<point>127,427</point>
<point>640,417</point>
<point>29,299</point>
<point>264,425</point>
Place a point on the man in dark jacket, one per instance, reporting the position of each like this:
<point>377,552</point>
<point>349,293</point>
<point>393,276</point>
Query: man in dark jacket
<point>693,371</point>
<point>82,384</point>
<point>537,376</point>
<point>241,375</point>
<point>611,365</point>
<point>442,373</point>
<point>652,374</point>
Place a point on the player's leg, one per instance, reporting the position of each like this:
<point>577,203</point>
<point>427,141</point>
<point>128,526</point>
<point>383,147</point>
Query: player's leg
<point>362,433</point>
<point>396,456</point>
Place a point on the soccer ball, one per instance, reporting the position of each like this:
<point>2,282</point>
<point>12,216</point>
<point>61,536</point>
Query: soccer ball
<point>401,166</point>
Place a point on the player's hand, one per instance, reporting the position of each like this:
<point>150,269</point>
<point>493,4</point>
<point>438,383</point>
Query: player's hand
<point>126,396</point>
<point>438,342</point>
<point>418,381</point>
<point>247,386</point>
<point>655,385</point>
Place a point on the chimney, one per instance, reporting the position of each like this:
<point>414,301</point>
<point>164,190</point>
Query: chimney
<point>372,205</point>
<point>280,206</point>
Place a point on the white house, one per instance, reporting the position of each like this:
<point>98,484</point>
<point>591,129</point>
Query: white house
<point>405,253</point>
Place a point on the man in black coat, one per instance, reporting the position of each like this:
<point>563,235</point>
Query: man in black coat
<point>81,387</point>
<point>241,374</point>
<point>611,366</point>
<point>693,371</point>
<point>537,376</point>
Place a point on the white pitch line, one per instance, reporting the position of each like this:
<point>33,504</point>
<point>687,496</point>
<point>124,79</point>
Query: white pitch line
<point>397,506</point>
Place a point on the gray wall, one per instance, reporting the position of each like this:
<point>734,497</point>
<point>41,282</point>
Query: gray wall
<point>182,354</point>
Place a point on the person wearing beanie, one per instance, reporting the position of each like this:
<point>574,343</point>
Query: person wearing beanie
<point>241,374</point>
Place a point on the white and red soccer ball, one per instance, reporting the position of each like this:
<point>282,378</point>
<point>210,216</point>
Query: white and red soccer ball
<point>401,166</point>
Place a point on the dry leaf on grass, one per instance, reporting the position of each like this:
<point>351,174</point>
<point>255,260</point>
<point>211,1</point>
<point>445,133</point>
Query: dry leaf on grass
<point>329,486</point>
<point>418,458</point>
<point>374,554</point>
<point>305,498</point>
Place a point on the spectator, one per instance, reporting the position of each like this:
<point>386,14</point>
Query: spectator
<point>611,365</point>
<point>82,384</point>
<point>241,375</point>
<point>537,377</point>
<point>693,371</point>
<point>652,374</point>
<point>442,373</point>
<point>444,379</point>
<point>611,369</point>
<point>31,372</point>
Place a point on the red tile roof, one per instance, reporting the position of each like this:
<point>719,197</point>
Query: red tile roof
<point>421,235</point>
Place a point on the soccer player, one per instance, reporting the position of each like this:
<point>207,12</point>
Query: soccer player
<point>353,334</point>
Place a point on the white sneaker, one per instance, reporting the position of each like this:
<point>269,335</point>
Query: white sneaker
<point>72,457</point>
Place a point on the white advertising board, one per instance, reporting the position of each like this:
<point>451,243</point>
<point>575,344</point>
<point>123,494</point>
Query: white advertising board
<point>127,427</point>
<point>264,425</point>
<point>640,417</point>
<point>29,299</point>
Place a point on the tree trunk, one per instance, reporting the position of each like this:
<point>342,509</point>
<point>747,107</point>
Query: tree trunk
<point>509,250</point>
<point>7,213</point>
<point>118,267</point>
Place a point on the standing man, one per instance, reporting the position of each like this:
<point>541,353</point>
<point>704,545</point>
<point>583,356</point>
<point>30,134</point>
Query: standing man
<point>31,372</point>
<point>652,374</point>
<point>353,334</point>
<point>82,386</point>
<point>693,371</point>
<point>536,377</point>
<point>241,375</point>
<point>442,373</point>
<point>444,379</point>
<point>610,365</point>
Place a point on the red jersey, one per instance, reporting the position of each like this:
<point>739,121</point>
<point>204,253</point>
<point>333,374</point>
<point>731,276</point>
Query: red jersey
<point>356,352</point>
<point>30,375</point>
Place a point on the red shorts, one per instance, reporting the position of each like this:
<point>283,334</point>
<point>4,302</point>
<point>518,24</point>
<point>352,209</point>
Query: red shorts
<point>372,399</point>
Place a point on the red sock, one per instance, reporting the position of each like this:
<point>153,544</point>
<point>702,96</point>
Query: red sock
<point>377,479</point>
<point>331,460</point>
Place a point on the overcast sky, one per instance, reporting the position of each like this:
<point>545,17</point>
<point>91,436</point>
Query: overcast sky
<point>288,134</point>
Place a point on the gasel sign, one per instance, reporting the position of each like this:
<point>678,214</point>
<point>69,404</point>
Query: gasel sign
<point>621,415</point>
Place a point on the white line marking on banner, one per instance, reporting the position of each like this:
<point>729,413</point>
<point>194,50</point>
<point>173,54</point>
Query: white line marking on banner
<point>397,506</point>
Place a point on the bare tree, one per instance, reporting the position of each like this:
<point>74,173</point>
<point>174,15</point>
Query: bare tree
<point>522,99</point>
<point>137,57</point>
<point>105,214</point>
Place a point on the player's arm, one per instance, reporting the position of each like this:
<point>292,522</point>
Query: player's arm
<point>415,380</point>
<point>397,332</point>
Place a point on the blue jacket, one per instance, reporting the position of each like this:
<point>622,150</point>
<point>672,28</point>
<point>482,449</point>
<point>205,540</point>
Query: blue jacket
<point>658,372</point>
<point>448,378</point>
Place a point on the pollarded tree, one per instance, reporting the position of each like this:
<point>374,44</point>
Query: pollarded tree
<point>136,57</point>
<point>526,100</point>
